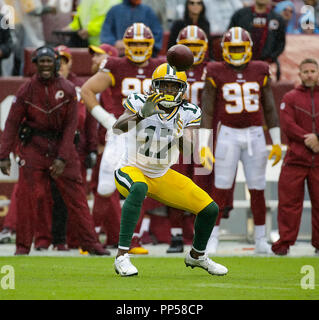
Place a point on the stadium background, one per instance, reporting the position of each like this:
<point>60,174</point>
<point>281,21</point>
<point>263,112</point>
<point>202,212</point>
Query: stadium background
<point>240,225</point>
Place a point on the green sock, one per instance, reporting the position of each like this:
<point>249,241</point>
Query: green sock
<point>130,213</point>
<point>203,226</point>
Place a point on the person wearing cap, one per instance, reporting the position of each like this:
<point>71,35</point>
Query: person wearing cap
<point>44,116</point>
<point>86,146</point>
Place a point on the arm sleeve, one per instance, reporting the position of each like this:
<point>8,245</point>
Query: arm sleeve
<point>75,23</point>
<point>280,41</point>
<point>91,132</point>
<point>195,116</point>
<point>288,121</point>
<point>95,25</point>
<point>134,103</point>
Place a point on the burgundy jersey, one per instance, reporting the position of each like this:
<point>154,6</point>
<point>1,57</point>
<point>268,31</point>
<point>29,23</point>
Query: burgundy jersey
<point>239,92</point>
<point>195,80</point>
<point>128,78</point>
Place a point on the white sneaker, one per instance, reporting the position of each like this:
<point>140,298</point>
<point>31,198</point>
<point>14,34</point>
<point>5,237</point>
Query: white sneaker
<point>206,263</point>
<point>262,247</point>
<point>124,267</point>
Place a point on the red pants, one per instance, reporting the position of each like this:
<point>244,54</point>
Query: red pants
<point>224,198</point>
<point>106,210</point>
<point>107,214</point>
<point>291,188</point>
<point>34,208</point>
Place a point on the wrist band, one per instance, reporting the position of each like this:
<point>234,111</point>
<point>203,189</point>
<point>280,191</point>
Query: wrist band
<point>102,116</point>
<point>275,135</point>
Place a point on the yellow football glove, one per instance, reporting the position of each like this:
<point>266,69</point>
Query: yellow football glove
<point>275,151</point>
<point>206,158</point>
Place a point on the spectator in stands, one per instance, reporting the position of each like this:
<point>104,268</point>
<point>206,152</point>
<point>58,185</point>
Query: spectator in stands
<point>27,32</point>
<point>44,116</point>
<point>6,42</point>
<point>167,11</point>
<point>194,14</point>
<point>88,22</point>
<point>219,12</point>
<point>287,10</point>
<point>121,16</point>
<point>267,29</point>
<point>300,122</point>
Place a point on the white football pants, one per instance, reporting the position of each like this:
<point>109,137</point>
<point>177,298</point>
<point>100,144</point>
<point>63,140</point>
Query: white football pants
<point>247,145</point>
<point>112,154</point>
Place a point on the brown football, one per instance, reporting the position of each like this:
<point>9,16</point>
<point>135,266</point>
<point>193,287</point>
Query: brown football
<point>180,57</point>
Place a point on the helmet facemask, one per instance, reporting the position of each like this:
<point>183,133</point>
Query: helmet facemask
<point>138,51</point>
<point>237,46</point>
<point>138,42</point>
<point>238,54</point>
<point>170,83</point>
<point>173,91</point>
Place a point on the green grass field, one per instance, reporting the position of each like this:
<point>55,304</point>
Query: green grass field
<point>86,278</point>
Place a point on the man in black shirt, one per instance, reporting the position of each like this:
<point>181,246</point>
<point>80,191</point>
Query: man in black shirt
<point>267,29</point>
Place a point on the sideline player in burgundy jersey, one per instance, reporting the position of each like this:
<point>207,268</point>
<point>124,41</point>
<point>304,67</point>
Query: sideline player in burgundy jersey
<point>240,90</point>
<point>129,74</point>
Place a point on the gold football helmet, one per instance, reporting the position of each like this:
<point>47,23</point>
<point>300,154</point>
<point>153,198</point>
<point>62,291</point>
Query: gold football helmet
<point>171,83</point>
<point>139,42</point>
<point>237,46</point>
<point>194,38</point>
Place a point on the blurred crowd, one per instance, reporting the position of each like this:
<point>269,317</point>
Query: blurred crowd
<point>77,23</point>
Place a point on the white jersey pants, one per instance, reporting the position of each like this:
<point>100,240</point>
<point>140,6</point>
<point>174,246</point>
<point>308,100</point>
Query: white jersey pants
<point>247,145</point>
<point>112,154</point>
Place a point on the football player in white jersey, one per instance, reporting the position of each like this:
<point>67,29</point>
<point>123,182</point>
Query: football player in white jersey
<point>155,125</point>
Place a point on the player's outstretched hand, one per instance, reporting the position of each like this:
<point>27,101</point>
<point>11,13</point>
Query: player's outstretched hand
<point>150,104</point>
<point>207,158</point>
<point>275,151</point>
